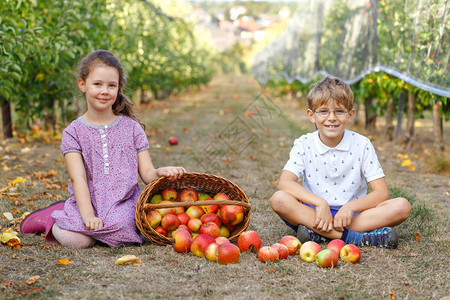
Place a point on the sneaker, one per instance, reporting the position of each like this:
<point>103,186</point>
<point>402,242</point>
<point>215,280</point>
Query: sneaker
<point>385,237</point>
<point>305,234</point>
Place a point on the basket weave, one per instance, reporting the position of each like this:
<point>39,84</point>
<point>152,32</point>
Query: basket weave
<point>202,183</point>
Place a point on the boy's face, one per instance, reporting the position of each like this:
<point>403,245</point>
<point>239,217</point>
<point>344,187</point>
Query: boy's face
<point>331,120</point>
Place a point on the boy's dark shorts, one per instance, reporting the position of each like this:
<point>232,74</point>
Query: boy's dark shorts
<point>333,213</point>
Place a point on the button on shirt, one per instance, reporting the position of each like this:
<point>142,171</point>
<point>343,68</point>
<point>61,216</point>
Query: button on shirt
<point>337,174</point>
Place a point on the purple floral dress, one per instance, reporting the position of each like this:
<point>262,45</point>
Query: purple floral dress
<point>110,158</point>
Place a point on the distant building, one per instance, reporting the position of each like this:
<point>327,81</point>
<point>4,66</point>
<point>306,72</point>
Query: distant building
<point>236,11</point>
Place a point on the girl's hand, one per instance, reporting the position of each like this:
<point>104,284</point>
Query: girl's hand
<point>92,223</point>
<point>343,218</point>
<point>324,219</point>
<point>170,172</point>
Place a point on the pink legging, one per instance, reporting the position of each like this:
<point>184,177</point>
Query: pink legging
<point>72,239</point>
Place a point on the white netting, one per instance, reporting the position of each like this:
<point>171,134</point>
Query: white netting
<point>352,38</point>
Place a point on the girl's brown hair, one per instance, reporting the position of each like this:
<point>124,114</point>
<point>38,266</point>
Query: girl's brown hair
<point>330,88</point>
<point>123,105</point>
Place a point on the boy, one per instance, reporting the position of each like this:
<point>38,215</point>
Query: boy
<point>335,164</point>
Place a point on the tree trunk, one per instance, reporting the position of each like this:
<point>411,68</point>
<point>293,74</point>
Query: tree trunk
<point>371,117</point>
<point>390,119</point>
<point>401,104</point>
<point>438,128</point>
<point>6,117</point>
<point>409,135</point>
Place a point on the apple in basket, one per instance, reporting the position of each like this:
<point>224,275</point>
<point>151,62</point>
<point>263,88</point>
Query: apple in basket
<point>188,195</point>
<point>156,199</point>
<point>221,196</point>
<point>210,229</point>
<point>183,217</point>
<point>194,224</point>
<point>169,194</point>
<point>231,214</point>
<point>224,231</point>
<point>249,241</point>
<point>213,208</point>
<point>165,211</point>
<point>161,230</point>
<point>170,222</point>
<point>210,217</point>
<point>154,218</point>
<point>203,196</point>
<point>182,240</point>
<point>200,243</point>
<point>195,212</point>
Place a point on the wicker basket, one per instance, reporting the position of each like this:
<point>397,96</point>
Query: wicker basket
<point>202,183</point>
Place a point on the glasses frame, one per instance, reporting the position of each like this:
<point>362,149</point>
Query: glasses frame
<point>321,113</point>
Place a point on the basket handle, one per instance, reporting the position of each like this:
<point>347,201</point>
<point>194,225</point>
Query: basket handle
<point>148,206</point>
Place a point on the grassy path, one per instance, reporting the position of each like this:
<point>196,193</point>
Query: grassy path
<point>229,129</point>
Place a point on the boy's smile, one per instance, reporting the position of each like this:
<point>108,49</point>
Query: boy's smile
<point>331,127</point>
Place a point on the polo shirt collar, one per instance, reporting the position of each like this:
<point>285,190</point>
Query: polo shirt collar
<point>344,145</point>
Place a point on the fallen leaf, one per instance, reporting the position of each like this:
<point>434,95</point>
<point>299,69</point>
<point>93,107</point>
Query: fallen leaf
<point>392,295</point>
<point>417,236</point>
<point>25,150</point>
<point>51,173</point>
<point>412,168</point>
<point>23,293</point>
<point>64,262</point>
<point>32,279</point>
<point>127,259</point>
<point>269,270</point>
<point>8,216</point>
<point>406,163</point>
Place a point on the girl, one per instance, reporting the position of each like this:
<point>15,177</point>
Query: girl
<point>104,150</point>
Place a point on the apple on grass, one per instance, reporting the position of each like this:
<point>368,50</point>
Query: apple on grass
<point>199,244</point>
<point>169,194</point>
<point>183,217</point>
<point>292,243</point>
<point>327,258</point>
<point>231,214</point>
<point>210,229</point>
<point>283,251</point>
<point>212,251</point>
<point>268,253</point>
<point>182,240</point>
<point>170,222</point>
<point>309,250</point>
<point>210,217</point>
<point>173,141</point>
<point>154,218</point>
<point>249,241</point>
<point>195,212</point>
<point>228,254</point>
<point>350,253</point>
<point>194,224</point>
<point>188,195</point>
<point>336,245</point>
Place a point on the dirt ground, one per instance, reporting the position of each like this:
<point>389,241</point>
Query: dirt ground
<point>417,270</point>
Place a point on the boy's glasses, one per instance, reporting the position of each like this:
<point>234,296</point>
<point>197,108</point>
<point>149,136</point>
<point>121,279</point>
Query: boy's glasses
<point>326,112</point>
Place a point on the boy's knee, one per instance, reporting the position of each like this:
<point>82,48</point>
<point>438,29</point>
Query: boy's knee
<point>277,201</point>
<point>403,208</point>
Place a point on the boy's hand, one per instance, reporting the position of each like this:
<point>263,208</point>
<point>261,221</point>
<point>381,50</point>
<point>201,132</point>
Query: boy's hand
<point>92,223</point>
<point>343,218</point>
<point>324,219</point>
<point>171,172</point>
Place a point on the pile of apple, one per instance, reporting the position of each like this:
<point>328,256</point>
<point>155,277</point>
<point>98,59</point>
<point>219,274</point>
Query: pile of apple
<point>212,220</point>
<point>311,251</point>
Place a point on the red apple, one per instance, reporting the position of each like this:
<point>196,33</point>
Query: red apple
<point>230,227</point>
<point>228,254</point>
<point>184,218</point>
<point>210,208</point>
<point>195,212</point>
<point>350,253</point>
<point>154,218</point>
<point>224,231</point>
<point>336,245</point>
<point>173,141</point>
<point>212,251</point>
<point>221,196</point>
<point>210,229</point>
<point>309,250</point>
<point>182,240</point>
<point>165,211</point>
<point>170,222</point>
<point>161,230</point>
<point>327,258</point>
<point>222,240</point>
<point>292,243</point>
<point>183,227</point>
<point>179,210</point>
<point>200,243</point>
<point>231,214</point>
<point>249,241</point>
<point>188,195</point>
<point>267,253</point>
<point>194,224</point>
<point>210,217</point>
<point>283,251</point>
<point>169,194</point>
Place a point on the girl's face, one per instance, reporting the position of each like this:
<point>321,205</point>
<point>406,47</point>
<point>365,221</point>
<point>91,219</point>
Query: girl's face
<point>101,87</point>
<point>331,121</point>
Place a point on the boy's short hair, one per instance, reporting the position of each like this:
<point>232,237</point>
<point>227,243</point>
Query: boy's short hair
<point>330,88</point>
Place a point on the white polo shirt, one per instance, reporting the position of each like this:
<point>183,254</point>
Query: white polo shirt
<point>337,174</point>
